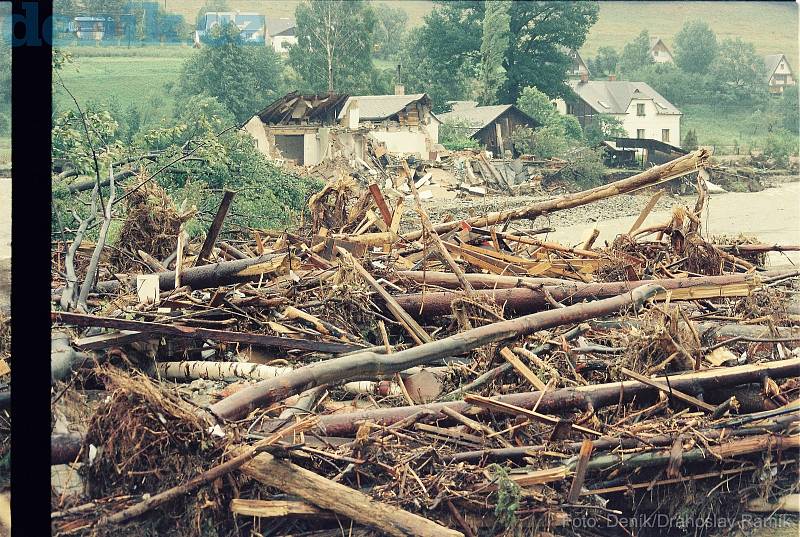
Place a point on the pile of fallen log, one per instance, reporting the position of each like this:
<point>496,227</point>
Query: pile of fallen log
<point>369,374</point>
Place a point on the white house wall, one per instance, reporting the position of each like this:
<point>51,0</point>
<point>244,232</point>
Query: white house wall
<point>652,122</point>
<point>256,129</point>
<point>404,141</point>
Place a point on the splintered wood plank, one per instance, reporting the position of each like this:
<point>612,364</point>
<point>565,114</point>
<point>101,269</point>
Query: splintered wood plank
<point>522,369</point>
<point>276,508</point>
<point>580,471</point>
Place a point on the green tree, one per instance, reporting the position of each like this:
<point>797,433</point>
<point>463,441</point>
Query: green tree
<point>789,107</point>
<point>572,127</point>
<point>390,30</point>
<point>334,45</point>
<point>636,54</point>
<point>677,86</point>
<point>243,78</point>
<point>493,49</point>
<point>544,142</point>
<point>690,140</point>
<point>422,74</point>
<point>695,47</point>
<point>454,135</point>
<point>605,63</point>
<point>542,34</point>
<point>537,104</point>
<point>738,74</point>
<point>603,127</point>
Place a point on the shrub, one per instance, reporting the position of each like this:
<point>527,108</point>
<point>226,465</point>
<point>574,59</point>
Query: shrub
<point>690,140</point>
<point>779,146</point>
<point>455,135</point>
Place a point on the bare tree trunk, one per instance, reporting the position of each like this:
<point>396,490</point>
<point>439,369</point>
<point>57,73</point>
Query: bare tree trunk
<point>91,271</point>
<point>658,174</point>
<point>366,365</point>
<point>596,396</point>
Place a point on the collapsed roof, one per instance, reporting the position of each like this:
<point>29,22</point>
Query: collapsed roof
<point>381,107</point>
<point>297,108</point>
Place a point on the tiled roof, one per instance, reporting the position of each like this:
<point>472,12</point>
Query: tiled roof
<point>614,96</point>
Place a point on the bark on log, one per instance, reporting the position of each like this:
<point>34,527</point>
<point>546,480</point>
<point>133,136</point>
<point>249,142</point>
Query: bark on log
<point>326,494</point>
<point>598,395</point>
<point>216,227</point>
<point>523,300</point>
<point>655,175</point>
<point>367,365</point>
<point>77,319</point>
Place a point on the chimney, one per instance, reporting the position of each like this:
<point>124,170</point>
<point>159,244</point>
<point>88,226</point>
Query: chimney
<point>584,77</point>
<point>612,78</point>
<point>399,89</point>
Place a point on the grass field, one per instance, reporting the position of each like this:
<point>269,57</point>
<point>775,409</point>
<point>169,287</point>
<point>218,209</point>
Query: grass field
<point>129,79</point>
<point>723,127</point>
<point>770,26</point>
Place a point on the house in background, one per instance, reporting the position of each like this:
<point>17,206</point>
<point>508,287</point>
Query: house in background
<point>659,51</point>
<point>779,74</point>
<point>644,113</point>
<point>577,68</point>
<point>491,126</point>
<point>309,129</point>
<point>281,34</point>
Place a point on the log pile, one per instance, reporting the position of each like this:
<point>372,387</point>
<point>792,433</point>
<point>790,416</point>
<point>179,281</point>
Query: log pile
<point>370,374</point>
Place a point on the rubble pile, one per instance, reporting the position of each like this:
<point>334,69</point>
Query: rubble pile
<point>375,373</point>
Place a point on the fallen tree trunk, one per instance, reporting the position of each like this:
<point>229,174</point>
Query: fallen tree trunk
<point>368,365</point>
<point>655,175</point>
<point>596,396</point>
<point>327,494</point>
<point>522,300</point>
<point>78,319</point>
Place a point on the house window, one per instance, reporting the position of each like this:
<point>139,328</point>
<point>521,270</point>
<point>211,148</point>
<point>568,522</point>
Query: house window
<point>665,135</point>
<point>640,133</point>
<point>640,109</point>
<point>571,109</point>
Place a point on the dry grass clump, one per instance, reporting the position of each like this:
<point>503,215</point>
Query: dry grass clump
<point>148,440</point>
<point>764,302</point>
<point>663,341</point>
<point>330,207</point>
<point>152,224</point>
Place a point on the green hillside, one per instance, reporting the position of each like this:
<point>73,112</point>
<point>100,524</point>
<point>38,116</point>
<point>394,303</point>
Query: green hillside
<point>770,26</point>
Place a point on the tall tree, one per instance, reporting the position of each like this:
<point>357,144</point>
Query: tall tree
<point>542,35</point>
<point>494,46</point>
<point>636,54</point>
<point>695,47</point>
<point>738,75</point>
<point>243,78</point>
<point>605,63</point>
<point>334,45</point>
<point>420,73</point>
<point>390,30</point>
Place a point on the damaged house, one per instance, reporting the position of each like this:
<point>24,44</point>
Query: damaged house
<point>490,126</point>
<point>308,129</point>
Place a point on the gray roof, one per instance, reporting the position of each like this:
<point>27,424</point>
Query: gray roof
<point>772,61</point>
<point>614,96</point>
<point>277,26</point>
<point>478,116</point>
<point>378,107</point>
